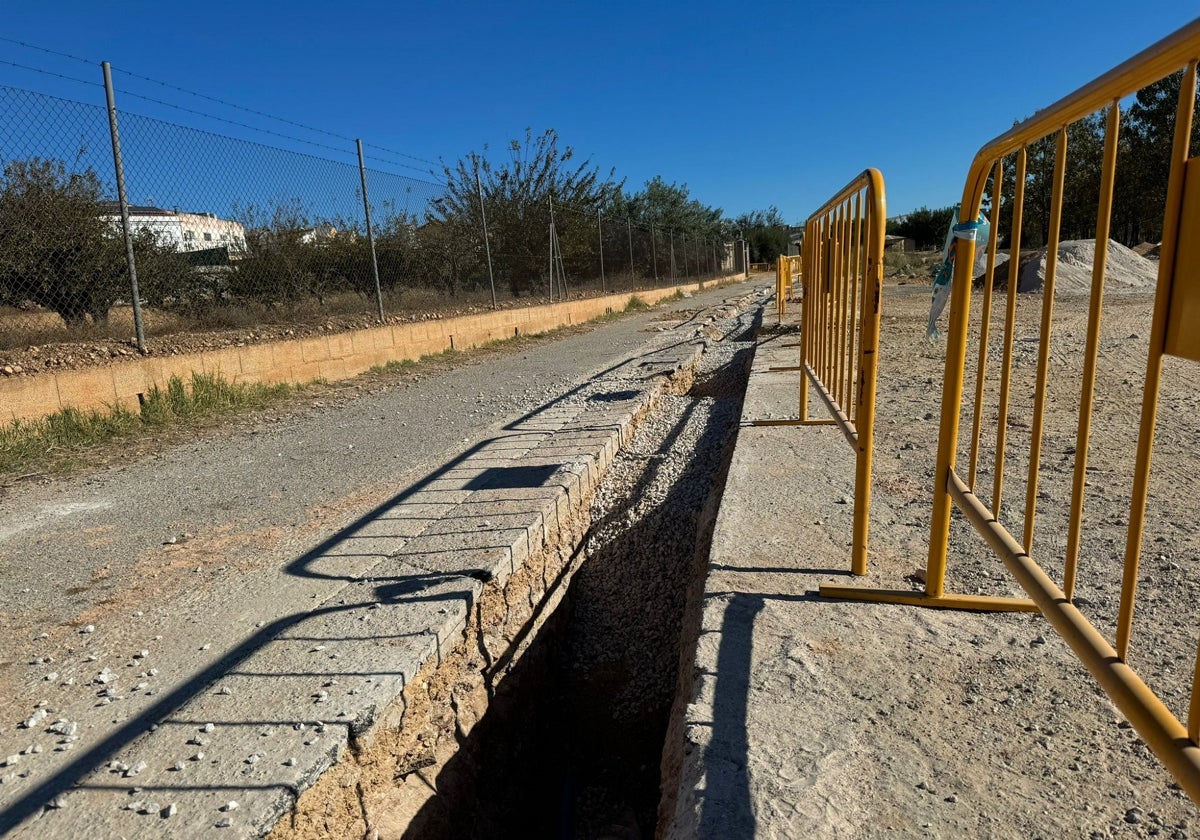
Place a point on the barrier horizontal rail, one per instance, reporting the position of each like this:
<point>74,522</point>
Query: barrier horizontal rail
<point>1173,332</point>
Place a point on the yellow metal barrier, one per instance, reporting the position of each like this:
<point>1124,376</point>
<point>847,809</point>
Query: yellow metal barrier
<point>1173,332</point>
<point>843,281</point>
<point>787,271</point>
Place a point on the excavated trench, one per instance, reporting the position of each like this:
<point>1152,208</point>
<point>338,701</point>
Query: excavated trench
<point>571,743</point>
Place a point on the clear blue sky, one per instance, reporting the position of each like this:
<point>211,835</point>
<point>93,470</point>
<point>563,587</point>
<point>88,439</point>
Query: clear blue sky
<point>749,104</point>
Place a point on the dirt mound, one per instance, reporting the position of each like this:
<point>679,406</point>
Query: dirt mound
<point>1126,271</point>
<point>1148,249</point>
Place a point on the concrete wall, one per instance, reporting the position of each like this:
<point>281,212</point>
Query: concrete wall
<point>332,357</point>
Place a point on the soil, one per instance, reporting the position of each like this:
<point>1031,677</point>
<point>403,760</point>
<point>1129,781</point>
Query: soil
<point>884,721</point>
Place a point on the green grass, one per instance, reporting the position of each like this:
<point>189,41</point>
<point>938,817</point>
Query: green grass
<point>55,440</point>
<point>636,304</point>
<point>394,366</point>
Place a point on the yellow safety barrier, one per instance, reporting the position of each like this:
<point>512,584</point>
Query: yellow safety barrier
<point>787,271</point>
<point>1173,332</point>
<point>839,339</point>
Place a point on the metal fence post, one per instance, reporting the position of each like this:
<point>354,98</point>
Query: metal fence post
<point>119,167</point>
<point>629,236</point>
<point>654,253</point>
<point>551,284</point>
<point>672,254</point>
<point>600,234</point>
<point>487,245</point>
<point>362,173</point>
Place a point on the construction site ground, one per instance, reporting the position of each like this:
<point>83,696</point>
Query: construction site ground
<point>811,718</point>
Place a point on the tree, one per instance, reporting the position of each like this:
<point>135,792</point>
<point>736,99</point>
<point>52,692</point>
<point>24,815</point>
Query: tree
<point>1143,166</point>
<point>57,249</point>
<point>1147,135</point>
<point>291,257</point>
<point>926,227</point>
<point>765,232</point>
<point>518,193</point>
<point>667,210</point>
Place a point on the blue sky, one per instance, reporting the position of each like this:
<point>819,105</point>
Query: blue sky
<point>748,104</point>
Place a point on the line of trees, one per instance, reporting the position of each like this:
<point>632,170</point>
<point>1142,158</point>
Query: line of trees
<point>926,227</point>
<point>61,249</point>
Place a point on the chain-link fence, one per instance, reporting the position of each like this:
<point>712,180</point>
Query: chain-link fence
<point>223,232</point>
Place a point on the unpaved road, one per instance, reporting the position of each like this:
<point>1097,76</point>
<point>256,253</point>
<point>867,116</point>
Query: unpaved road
<point>94,570</point>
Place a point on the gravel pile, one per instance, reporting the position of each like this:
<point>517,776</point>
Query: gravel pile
<point>1126,271</point>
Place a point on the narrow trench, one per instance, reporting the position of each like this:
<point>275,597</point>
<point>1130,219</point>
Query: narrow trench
<point>570,746</point>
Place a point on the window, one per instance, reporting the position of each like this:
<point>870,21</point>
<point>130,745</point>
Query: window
<point>208,237</point>
<point>189,235</point>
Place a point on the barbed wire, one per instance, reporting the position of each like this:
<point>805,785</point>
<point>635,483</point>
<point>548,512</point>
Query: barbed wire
<point>208,97</point>
<point>46,50</point>
<point>49,73</point>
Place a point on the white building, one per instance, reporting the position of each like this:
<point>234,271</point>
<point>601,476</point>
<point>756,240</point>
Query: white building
<point>184,232</point>
<point>201,231</point>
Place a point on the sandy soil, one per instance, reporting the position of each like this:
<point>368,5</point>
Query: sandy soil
<point>928,723</point>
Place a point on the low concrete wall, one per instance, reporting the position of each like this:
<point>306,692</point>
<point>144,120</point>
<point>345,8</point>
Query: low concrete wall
<point>332,357</point>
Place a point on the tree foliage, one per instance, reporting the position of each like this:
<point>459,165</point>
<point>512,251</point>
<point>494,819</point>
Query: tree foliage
<point>926,227</point>
<point>1143,165</point>
<point>55,248</point>
<point>765,232</point>
<point>61,248</point>
<point>519,193</point>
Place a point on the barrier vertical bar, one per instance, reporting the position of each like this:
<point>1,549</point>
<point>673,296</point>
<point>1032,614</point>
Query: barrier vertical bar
<point>123,200</point>
<point>629,237</point>
<point>653,253</point>
<point>1043,366</point>
<point>806,328</point>
<point>868,353</point>
<point>600,236</point>
<point>550,286</point>
<point>487,243</point>
<point>834,289</point>
<point>952,383</point>
<point>844,305</point>
<point>1087,388</point>
<point>1010,325</point>
<point>1162,302</point>
<point>829,377</point>
<point>985,319</point>
<point>672,255</point>
<point>826,291</point>
<point>859,279</point>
